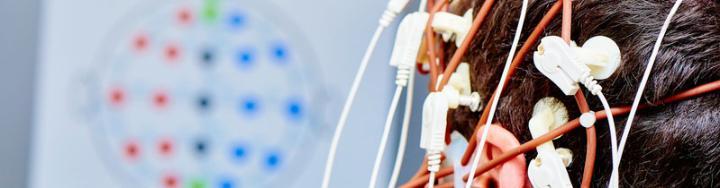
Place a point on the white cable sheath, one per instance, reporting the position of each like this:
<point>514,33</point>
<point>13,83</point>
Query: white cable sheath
<point>348,105</point>
<point>431,182</point>
<point>400,155</point>
<point>385,134</point>
<point>628,124</point>
<point>402,143</point>
<point>498,91</point>
<point>611,126</point>
<point>591,84</point>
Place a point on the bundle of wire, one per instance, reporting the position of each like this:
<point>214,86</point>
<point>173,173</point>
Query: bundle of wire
<point>511,65</point>
<point>394,8</point>
<point>581,103</point>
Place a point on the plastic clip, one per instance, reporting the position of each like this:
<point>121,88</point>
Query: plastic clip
<point>452,27</point>
<point>408,39</point>
<point>548,168</point>
<point>566,65</point>
<point>407,45</point>
<point>459,91</point>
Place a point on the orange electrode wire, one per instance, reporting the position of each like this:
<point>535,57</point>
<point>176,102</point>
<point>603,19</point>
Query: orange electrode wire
<point>472,143</point>
<point>566,33</point>
<point>430,39</point>
<point>460,52</point>
<point>441,46</point>
<point>529,43</point>
<point>569,126</point>
<point>566,21</point>
<point>591,145</point>
<point>697,91</point>
<point>423,48</point>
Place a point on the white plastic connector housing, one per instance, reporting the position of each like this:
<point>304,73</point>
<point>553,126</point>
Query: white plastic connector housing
<point>456,93</point>
<point>407,45</point>
<point>452,27</point>
<point>434,121</point>
<point>548,168</point>
<point>397,6</point>
<point>408,39</point>
<point>566,65</point>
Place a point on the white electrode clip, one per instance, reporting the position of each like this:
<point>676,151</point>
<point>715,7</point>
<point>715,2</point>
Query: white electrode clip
<point>566,65</point>
<point>548,168</point>
<point>453,27</point>
<point>434,122</point>
<point>407,45</point>
<point>435,108</point>
<point>459,91</point>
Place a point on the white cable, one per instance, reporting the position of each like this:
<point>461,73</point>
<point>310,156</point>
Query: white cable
<point>613,131</point>
<point>434,158</point>
<point>641,89</point>
<point>348,105</point>
<point>431,182</point>
<point>404,72</point>
<point>493,105</point>
<point>400,155</point>
<point>386,133</point>
<point>594,88</point>
<point>393,8</point>
<point>402,143</point>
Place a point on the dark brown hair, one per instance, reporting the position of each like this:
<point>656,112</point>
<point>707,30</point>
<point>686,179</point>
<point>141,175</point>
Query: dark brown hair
<point>674,145</point>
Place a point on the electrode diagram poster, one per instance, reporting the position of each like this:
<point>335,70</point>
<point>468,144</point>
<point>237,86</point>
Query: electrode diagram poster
<point>192,93</point>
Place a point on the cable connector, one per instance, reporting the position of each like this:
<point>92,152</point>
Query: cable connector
<point>453,27</point>
<point>459,91</point>
<point>567,65</point>
<point>394,8</point>
<point>407,45</point>
<point>435,108</point>
<point>434,122</point>
<point>548,168</point>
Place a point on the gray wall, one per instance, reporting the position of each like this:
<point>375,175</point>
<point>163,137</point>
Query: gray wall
<point>18,48</point>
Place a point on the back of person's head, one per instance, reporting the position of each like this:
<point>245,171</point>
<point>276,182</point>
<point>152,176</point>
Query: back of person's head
<point>670,145</point>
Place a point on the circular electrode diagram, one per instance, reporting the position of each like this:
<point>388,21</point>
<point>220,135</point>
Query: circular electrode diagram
<point>206,93</point>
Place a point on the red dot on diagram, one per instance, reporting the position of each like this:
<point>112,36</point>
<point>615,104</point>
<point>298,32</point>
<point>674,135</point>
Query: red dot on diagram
<point>132,151</point>
<point>160,99</point>
<point>117,96</point>
<point>140,43</point>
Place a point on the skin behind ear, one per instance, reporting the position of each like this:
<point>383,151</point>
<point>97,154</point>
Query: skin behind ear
<point>511,174</point>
